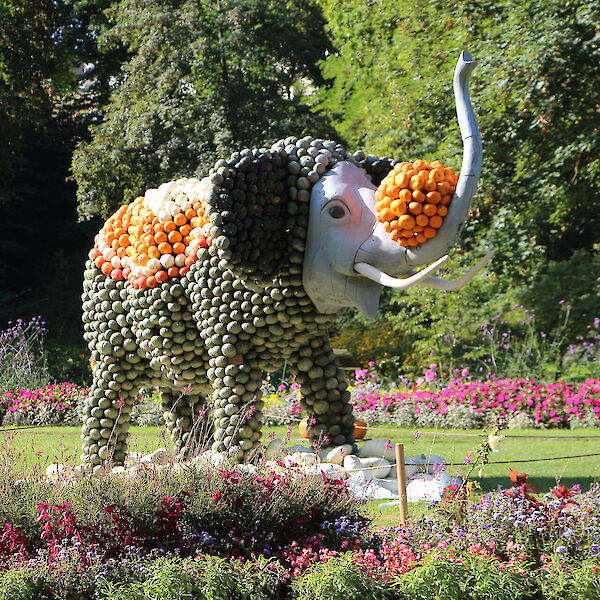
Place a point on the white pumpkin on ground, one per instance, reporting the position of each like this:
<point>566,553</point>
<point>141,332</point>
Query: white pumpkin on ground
<point>158,457</point>
<point>330,470</point>
<point>435,464</point>
<point>58,472</point>
<point>335,455</point>
<point>133,458</point>
<point>301,459</point>
<point>371,467</point>
<point>210,458</point>
<point>379,467</point>
<point>274,448</point>
<point>378,449</point>
<point>299,448</point>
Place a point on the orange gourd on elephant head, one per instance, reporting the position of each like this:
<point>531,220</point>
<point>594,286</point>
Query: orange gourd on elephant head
<point>413,200</point>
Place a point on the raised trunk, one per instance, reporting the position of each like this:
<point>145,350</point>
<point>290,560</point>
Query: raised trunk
<point>469,172</point>
<point>385,254</point>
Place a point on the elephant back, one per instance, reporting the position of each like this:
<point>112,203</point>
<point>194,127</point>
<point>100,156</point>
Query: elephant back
<point>253,207</point>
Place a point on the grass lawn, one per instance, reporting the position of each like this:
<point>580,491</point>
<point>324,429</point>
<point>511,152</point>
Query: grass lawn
<point>41,446</point>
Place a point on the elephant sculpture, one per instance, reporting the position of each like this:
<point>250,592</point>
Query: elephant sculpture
<point>201,286</point>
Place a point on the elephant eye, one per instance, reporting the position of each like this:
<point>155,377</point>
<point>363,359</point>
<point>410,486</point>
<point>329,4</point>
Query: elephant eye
<point>337,211</point>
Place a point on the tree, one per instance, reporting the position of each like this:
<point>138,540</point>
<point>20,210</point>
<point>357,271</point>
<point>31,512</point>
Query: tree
<point>536,92</point>
<point>203,79</point>
<point>41,112</point>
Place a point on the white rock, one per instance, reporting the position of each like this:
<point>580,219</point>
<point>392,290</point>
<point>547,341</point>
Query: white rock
<point>378,449</point>
<point>58,471</point>
<point>435,464</point>
<point>133,457</point>
<point>273,449</point>
<point>118,470</point>
<point>299,448</point>
<point>301,459</point>
<point>335,455</point>
<point>379,467</point>
<point>158,457</point>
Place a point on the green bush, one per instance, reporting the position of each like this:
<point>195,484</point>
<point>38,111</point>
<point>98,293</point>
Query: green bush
<point>206,578</point>
<point>22,584</point>
<point>338,579</point>
<point>463,578</point>
<point>558,583</point>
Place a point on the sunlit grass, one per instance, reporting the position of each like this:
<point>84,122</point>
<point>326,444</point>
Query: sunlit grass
<point>44,445</point>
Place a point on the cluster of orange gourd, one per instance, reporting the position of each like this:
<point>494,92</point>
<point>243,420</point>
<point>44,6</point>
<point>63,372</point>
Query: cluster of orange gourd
<point>413,200</point>
<point>135,245</point>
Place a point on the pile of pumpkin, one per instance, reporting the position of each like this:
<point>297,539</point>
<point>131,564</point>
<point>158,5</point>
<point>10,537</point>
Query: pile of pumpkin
<point>156,237</point>
<point>413,199</point>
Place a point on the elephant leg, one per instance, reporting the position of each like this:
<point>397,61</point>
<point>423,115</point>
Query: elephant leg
<point>324,393</point>
<point>237,406</point>
<point>186,418</point>
<point>107,412</point>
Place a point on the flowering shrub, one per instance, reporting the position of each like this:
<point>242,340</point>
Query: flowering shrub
<point>470,404</point>
<point>54,404</point>
<point>514,527</point>
<point>228,513</point>
<point>22,358</point>
<point>225,533</point>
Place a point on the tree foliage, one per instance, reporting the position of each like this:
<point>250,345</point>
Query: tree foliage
<point>170,85</point>
<point>202,79</point>
<point>536,95</point>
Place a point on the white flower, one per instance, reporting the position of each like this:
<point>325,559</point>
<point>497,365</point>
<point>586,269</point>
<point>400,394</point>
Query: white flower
<point>494,442</point>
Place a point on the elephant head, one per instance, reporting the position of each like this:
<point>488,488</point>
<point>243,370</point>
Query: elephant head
<point>349,256</point>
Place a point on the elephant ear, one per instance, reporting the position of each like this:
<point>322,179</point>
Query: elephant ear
<point>258,206</point>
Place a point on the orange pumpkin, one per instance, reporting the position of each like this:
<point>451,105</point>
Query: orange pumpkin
<point>360,430</point>
<point>408,199</point>
<point>303,428</point>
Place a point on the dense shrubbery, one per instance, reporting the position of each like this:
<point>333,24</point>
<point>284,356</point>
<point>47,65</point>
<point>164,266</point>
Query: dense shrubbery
<point>185,511</point>
<point>205,533</point>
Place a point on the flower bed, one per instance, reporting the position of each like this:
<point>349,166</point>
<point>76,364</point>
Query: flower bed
<point>55,404</point>
<point>459,403</point>
<point>475,404</point>
<point>184,511</point>
<point>224,534</point>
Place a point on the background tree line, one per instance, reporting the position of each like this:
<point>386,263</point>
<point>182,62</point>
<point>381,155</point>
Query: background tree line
<point>102,99</point>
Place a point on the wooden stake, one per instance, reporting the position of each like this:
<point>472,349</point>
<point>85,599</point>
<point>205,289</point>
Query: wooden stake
<point>401,476</point>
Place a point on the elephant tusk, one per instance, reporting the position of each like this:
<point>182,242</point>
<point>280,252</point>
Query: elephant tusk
<point>382,278</point>
<point>443,284</point>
